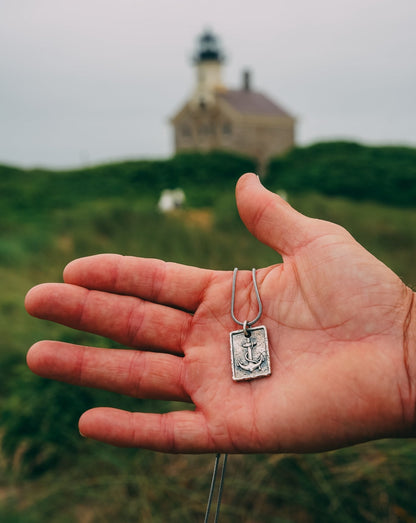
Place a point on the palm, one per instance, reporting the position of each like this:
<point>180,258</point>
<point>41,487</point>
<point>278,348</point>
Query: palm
<point>334,316</point>
<point>315,317</point>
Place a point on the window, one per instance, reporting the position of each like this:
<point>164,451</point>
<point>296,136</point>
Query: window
<point>206,129</point>
<point>227,128</point>
<point>186,131</point>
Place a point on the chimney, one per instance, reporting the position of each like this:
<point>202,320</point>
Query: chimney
<point>246,80</point>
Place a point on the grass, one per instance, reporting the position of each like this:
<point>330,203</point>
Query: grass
<point>50,473</point>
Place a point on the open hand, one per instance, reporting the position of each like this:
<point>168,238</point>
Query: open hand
<point>340,333</point>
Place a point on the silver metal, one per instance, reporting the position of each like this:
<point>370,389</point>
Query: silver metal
<point>246,333</point>
<point>250,356</point>
<point>252,322</point>
<point>220,487</point>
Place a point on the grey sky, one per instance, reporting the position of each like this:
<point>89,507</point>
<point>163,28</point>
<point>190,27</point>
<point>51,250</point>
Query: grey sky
<point>87,81</point>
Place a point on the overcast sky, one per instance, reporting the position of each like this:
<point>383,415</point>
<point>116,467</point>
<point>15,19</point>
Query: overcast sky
<point>88,81</point>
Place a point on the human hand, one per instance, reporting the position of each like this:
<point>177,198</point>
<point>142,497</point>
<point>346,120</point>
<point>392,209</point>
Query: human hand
<point>340,330</point>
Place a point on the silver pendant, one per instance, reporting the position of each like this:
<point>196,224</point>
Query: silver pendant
<point>250,356</point>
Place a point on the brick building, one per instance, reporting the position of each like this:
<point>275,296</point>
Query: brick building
<point>239,120</point>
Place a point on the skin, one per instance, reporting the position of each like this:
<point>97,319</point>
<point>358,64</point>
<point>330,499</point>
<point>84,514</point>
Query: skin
<point>340,328</point>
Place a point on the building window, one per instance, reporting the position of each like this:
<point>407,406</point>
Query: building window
<point>186,131</point>
<point>206,129</point>
<point>227,128</point>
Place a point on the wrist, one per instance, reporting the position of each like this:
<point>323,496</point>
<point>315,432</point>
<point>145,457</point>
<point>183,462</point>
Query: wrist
<point>409,364</point>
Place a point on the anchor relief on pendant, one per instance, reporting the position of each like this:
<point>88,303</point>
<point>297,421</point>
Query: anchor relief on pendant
<point>250,354</point>
<point>249,363</point>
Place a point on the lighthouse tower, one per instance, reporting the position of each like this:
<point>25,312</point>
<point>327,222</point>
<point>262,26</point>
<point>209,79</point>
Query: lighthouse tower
<point>208,60</point>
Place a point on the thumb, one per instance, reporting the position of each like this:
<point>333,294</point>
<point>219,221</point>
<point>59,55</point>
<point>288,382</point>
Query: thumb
<point>270,218</point>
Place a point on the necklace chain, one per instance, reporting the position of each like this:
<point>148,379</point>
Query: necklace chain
<point>246,323</point>
<point>220,487</point>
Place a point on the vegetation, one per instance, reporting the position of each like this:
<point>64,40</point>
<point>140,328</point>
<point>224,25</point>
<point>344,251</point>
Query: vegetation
<point>381,174</point>
<point>50,473</point>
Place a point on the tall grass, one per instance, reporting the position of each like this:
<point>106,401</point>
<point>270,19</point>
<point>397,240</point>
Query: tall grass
<point>50,473</point>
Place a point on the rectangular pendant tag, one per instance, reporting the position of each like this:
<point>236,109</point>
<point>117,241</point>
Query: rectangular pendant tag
<point>250,356</point>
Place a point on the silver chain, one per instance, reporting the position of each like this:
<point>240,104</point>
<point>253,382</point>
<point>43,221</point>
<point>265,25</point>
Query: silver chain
<point>211,491</point>
<point>246,324</point>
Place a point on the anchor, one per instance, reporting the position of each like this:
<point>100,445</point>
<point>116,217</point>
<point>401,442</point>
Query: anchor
<point>251,364</point>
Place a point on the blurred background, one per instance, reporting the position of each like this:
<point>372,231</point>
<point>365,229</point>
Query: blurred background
<point>123,128</point>
<point>98,80</point>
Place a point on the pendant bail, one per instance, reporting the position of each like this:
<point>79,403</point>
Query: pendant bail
<point>246,332</point>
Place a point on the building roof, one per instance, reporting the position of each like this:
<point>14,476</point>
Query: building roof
<point>247,102</point>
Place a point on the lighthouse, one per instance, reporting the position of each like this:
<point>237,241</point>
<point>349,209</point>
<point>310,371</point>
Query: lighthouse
<point>241,120</point>
<point>208,60</point>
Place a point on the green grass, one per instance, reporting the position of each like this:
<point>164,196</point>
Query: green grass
<point>382,174</point>
<point>50,473</point>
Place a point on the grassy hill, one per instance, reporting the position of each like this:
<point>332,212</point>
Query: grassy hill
<point>381,174</point>
<point>48,472</point>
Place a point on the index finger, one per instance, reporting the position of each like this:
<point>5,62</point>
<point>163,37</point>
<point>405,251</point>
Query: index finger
<point>153,280</point>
